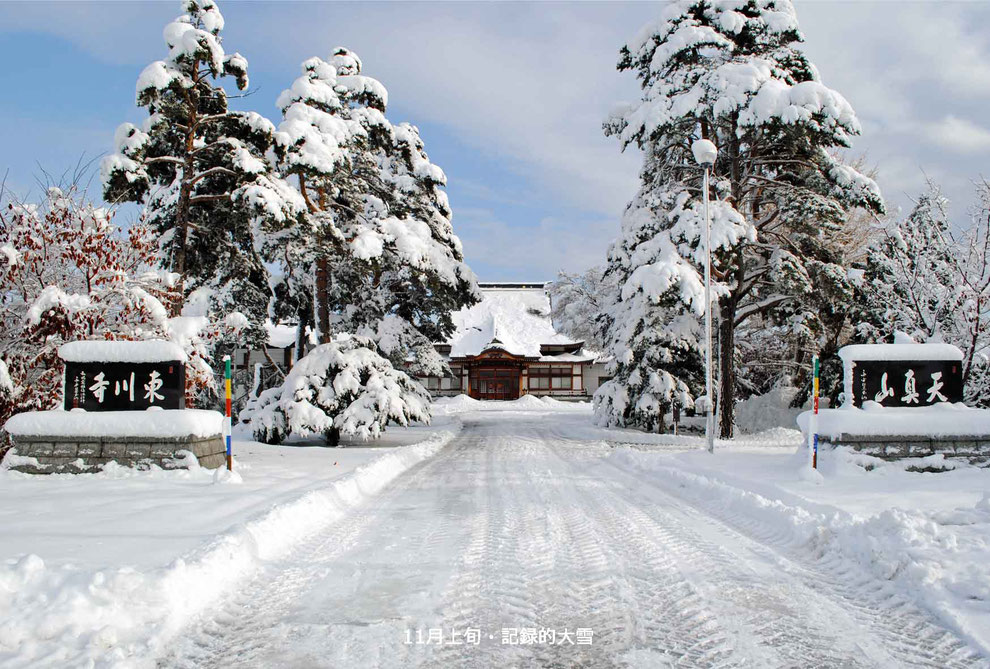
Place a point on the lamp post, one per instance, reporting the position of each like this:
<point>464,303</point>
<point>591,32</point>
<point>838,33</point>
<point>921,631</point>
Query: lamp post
<point>705,153</point>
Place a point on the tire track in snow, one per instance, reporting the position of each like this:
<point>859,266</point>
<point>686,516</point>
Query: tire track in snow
<point>899,632</point>
<point>679,624</point>
<point>253,627</point>
<point>597,580</point>
<point>510,577</point>
<point>513,526</point>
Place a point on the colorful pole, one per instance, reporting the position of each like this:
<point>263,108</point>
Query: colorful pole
<point>227,425</point>
<point>814,419</point>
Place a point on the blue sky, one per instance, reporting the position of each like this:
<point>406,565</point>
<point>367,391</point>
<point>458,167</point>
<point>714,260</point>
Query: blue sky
<point>509,98</point>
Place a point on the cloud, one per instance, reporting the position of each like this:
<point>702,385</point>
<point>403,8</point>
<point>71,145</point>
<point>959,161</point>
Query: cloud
<point>915,73</point>
<point>959,135</point>
<point>526,84</point>
<point>523,88</point>
<point>537,252</point>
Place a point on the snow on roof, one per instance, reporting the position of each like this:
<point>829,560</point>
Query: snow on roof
<point>899,352</point>
<point>516,320</point>
<point>152,423</point>
<point>153,350</point>
<point>567,357</point>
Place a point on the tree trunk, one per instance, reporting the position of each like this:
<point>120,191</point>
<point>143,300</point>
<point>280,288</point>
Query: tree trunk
<point>305,314</point>
<point>727,374</point>
<point>179,257</point>
<point>322,298</point>
<point>332,436</point>
<point>183,206</point>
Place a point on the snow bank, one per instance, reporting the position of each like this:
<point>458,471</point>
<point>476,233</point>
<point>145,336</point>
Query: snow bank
<point>939,420</point>
<point>763,412</point>
<point>922,553</point>
<point>166,423</point>
<point>121,351</point>
<point>128,617</point>
<point>281,335</point>
<point>464,403</point>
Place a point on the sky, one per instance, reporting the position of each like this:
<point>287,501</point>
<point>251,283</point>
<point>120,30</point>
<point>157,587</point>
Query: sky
<point>509,98</point>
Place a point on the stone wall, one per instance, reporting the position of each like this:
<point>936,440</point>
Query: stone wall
<point>975,449</point>
<point>87,454</point>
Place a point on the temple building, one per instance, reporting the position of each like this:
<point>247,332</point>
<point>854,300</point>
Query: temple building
<point>506,346</point>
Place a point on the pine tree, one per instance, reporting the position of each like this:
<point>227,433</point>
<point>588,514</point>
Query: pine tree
<point>377,238</point>
<point>732,72</point>
<point>342,387</point>
<point>200,170</point>
<point>577,301</point>
<point>654,344</point>
<point>923,280</point>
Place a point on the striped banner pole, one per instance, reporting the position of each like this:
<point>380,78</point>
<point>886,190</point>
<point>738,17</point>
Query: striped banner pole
<point>814,418</point>
<point>227,424</point>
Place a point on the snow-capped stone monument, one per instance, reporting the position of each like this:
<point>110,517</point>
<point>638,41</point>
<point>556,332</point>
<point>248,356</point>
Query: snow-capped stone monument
<point>903,400</point>
<point>123,402</point>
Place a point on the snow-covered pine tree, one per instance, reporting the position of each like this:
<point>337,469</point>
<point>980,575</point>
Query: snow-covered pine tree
<point>200,170</point>
<point>774,349</point>
<point>577,302</point>
<point>922,280</point>
<point>318,147</point>
<point>343,387</point>
<point>654,344</point>
<point>732,72</point>
<point>421,275</point>
<point>911,282</point>
<point>376,254</point>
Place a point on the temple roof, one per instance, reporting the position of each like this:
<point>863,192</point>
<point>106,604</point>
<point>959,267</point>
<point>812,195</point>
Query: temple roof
<point>515,319</point>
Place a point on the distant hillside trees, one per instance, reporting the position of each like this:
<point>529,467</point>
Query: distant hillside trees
<point>577,302</point>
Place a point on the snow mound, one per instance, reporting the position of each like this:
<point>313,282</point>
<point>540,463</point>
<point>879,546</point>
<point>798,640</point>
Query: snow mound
<point>121,351</point>
<point>939,420</point>
<point>527,402</point>
<point>463,403</point>
<point>166,423</point>
<point>554,403</point>
<point>763,412</point>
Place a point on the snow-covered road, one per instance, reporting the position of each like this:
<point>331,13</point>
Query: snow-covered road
<point>515,537</point>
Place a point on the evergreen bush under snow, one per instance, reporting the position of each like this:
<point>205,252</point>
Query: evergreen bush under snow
<point>343,387</point>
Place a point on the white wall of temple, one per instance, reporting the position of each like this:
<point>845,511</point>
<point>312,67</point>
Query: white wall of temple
<point>594,376</point>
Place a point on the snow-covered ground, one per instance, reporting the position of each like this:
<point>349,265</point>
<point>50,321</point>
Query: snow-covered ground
<point>105,566</point>
<point>497,548</point>
<point>908,535</point>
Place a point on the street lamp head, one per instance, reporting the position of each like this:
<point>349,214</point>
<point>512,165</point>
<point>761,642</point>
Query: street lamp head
<point>704,152</point>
